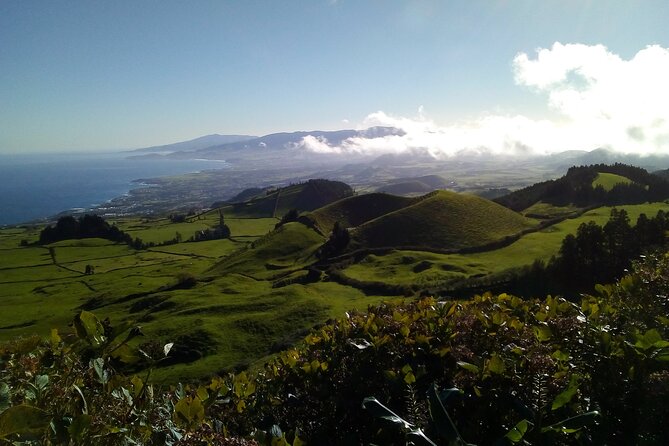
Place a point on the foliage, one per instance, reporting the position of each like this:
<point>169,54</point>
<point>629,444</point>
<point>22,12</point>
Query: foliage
<point>540,368</point>
<point>72,390</point>
<point>87,226</point>
<point>596,254</point>
<point>578,187</point>
<point>336,243</point>
<point>526,371</point>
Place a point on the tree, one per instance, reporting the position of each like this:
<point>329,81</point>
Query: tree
<point>338,241</point>
<point>223,230</point>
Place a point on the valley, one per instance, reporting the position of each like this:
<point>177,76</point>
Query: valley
<point>231,303</point>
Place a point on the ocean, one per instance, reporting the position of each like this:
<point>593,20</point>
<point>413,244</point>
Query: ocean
<point>38,186</point>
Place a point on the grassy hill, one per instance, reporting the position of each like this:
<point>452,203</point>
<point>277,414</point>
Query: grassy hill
<point>354,211</point>
<point>304,197</point>
<point>608,181</point>
<point>594,185</point>
<point>289,247</point>
<point>441,220</point>
<point>418,185</point>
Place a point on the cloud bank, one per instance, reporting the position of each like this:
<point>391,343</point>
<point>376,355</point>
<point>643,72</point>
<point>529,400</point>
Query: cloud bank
<point>602,100</point>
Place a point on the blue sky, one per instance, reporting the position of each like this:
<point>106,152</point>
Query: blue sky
<point>93,75</point>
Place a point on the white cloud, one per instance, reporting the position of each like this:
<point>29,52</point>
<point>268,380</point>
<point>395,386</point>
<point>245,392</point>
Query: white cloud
<point>603,99</point>
<point>317,144</point>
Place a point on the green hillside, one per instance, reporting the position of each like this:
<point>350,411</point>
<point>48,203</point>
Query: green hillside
<point>609,180</point>
<point>354,211</point>
<point>304,197</point>
<point>289,247</point>
<point>418,185</point>
<point>620,184</point>
<point>441,220</point>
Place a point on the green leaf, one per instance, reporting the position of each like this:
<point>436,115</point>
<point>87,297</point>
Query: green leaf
<point>378,410</point>
<point>41,381</point>
<point>83,398</point>
<point>137,385</point>
<point>574,423</point>
<point>409,378</point>
<point>189,411</point>
<point>89,328</point>
<point>467,366</point>
<point>442,421</point>
<point>55,339</point>
<point>542,332</point>
<point>496,364</point>
<point>5,396</point>
<point>99,367</point>
<point>79,427</point>
<point>22,419</point>
<point>567,395</point>
<point>516,434</point>
<point>560,355</point>
<point>126,354</point>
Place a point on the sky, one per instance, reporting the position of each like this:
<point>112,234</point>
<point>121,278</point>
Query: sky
<point>511,76</point>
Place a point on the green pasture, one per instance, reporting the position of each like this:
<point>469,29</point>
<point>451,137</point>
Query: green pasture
<point>233,314</point>
<point>547,210</point>
<point>608,180</point>
<point>442,220</point>
<point>245,320</point>
<point>12,237</point>
<point>430,269</point>
<point>212,249</point>
<point>291,247</point>
<point>165,231</point>
<point>243,299</point>
<point>70,254</point>
<point>23,257</point>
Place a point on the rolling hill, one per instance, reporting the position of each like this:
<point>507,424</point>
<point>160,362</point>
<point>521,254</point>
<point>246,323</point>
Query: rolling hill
<point>441,220</point>
<point>356,210</point>
<point>307,196</point>
<point>598,184</point>
<point>608,181</point>
<point>407,186</point>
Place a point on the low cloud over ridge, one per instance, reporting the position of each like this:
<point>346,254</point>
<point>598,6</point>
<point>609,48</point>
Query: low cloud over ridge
<point>603,101</point>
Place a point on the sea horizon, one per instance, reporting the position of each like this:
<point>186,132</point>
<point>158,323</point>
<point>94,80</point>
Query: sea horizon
<point>38,186</point>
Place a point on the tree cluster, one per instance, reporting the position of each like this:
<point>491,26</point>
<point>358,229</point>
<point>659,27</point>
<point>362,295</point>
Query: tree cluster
<point>336,243</point>
<point>576,188</point>
<point>87,226</point>
<point>219,232</point>
<point>594,255</point>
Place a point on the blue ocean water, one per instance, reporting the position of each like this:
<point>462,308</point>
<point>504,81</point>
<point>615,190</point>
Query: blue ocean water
<point>38,185</point>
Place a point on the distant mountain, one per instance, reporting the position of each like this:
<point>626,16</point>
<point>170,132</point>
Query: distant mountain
<point>196,144</point>
<point>283,141</point>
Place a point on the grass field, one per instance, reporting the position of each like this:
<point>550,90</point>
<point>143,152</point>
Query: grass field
<point>430,269</point>
<point>232,316</point>
<point>547,210</point>
<point>249,296</point>
<point>356,210</point>
<point>442,220</point>
<point>608,180</point>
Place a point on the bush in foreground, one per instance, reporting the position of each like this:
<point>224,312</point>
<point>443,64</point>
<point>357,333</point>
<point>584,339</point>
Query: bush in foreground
<point>505,370</point>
